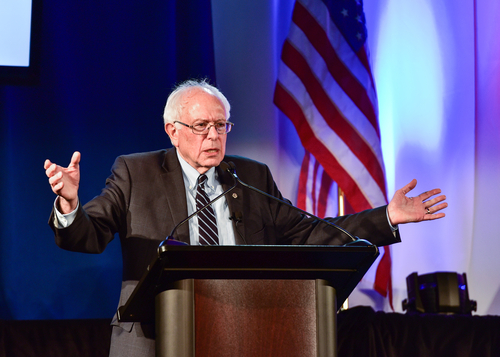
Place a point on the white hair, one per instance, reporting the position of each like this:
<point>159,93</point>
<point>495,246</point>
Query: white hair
<point>175,104</point>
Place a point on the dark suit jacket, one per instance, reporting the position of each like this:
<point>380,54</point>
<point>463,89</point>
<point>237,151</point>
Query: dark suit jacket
<point>145,198</point>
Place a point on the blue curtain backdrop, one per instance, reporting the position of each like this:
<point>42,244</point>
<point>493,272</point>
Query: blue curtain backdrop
<point>106,71</point>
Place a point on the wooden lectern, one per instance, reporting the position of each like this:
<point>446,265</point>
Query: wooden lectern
<point>247,300</point>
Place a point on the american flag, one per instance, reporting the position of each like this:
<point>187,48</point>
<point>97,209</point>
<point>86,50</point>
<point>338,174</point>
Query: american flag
<point>326,88</point>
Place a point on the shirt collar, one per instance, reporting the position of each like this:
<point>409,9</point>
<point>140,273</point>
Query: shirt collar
<point>191,175</point>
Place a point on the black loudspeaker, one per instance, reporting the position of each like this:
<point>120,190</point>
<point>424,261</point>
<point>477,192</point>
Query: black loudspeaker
<point>438,293</point>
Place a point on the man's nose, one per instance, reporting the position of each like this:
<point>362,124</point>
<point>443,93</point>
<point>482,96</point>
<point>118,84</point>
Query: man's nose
<point>212,133</point>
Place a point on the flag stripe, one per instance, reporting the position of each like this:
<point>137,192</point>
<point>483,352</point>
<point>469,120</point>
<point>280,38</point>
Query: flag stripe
<point>323,143</point>
<point>331,114</point>
<point>294,112</point>
<point>326,184</point>
<point>314,186</point>
<point>319,39</point>
<point>303,178</point>
<point>356,63</point>
<point>342,101</point>
<point>314,189</point>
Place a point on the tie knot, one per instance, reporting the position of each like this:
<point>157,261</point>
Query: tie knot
<point>202,179</point>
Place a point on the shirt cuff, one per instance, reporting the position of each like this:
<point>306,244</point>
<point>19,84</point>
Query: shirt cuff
<point>393,229</point>
<point>64,220</point>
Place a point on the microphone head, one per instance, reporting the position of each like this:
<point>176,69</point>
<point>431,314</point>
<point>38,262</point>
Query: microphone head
<point>231,167</point>
<point>237,216</point>
<point>224,166</point>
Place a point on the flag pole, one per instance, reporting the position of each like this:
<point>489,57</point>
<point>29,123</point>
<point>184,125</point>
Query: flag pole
<point>341,205</point>
<point>341,201</point>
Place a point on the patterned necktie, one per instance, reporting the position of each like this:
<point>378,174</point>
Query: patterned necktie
<point>206,219</point>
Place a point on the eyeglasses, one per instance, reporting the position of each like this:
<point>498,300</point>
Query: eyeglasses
<point>202,127</point>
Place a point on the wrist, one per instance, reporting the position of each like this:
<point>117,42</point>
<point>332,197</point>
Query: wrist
<point>391,216</point>
<point>65,206</point>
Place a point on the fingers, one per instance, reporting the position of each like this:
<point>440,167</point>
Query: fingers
<point>53,179</point>
<point>75,159</point>
<point>50,168</point>
<point>58,187</point>
<point>435,200</point>
<point>47,164</point>
<point>438,208</point>
<point>433,208</point>
<point>409,186</point>
<point>424,196</point>
<point>430,217</point>
<point>55,173</point>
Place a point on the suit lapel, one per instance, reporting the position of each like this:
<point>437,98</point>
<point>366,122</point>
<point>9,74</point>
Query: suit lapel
<point>175,193</point>
<point>235,203</point>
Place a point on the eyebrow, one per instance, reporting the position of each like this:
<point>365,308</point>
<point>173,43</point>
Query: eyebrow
<point>216,120</point>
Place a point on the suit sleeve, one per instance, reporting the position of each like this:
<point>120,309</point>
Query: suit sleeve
<point>97,222</point>
<point>285,225</point>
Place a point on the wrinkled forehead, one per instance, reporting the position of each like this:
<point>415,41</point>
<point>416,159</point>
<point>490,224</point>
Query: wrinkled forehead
<point>200,102</point>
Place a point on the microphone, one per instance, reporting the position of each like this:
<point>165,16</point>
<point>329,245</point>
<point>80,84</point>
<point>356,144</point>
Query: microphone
<point>170,238</point>
<point>237,216</point>
<point>231,168</point>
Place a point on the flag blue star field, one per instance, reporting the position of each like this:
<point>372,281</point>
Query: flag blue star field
<point>326,88</point>
<point>349,18</point>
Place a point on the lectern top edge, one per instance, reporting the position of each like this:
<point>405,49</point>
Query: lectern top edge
<point>341,267</point>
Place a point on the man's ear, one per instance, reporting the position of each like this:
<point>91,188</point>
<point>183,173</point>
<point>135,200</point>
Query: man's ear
<point>173,133</point>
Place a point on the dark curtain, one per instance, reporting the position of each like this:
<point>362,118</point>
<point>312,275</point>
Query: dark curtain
<point>361,332</point>
<point>106,70</point>
<point>365,332</point>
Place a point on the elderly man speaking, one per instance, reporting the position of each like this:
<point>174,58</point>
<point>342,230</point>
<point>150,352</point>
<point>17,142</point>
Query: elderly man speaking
<point>148,194</point>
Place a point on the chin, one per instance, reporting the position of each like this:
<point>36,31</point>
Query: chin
<point>212,162</point>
